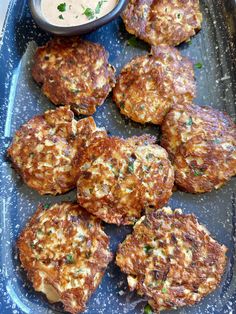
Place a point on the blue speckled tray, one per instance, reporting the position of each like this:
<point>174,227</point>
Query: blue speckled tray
<point>20,99</point>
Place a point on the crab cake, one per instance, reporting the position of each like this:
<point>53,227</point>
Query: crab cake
<point>171,259</point>
<point>150,85</point>
<point>74,72</point>
<point>158,22</point>
<point>65,253</point>
<point>202,144</point>
<point>45,151</point>
<point>119,178</point>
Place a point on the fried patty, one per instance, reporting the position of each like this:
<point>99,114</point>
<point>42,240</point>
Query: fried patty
<point>74,72</point>
<point>119,178</point>
<point>45,151</point>
<point>150,85</point>
<point>171,259</point>
<point>202,144</point>
<point>65,253</point>
<point>158,22</point>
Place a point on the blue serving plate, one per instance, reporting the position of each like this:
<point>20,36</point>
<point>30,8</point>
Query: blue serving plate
<point>21,99</point>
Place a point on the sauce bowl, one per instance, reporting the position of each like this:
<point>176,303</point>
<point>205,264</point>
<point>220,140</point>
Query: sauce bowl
<point>42,22</point>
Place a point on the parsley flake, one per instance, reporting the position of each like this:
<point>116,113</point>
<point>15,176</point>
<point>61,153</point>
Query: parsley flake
<point>122,105</point>
<point>99,6</point>
<point>89,13</point>
<point>217,141</point>
<point>79,271</point>
<point>136,43</point>
<point>189,122</point>
<point>198,65</point>
<point>148,249</point>
<point>149,157</point>
<point>131,166</point>
<point>46,206</point>
<point>61,7</point>
<point>148,309</point>
<point>69,259</point>
<point>61,17</point>
<point>75,90</point>
<point>90,225</point>
<point>198,173</point>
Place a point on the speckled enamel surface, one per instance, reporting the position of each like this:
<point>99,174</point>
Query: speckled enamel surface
<point>21,99</point>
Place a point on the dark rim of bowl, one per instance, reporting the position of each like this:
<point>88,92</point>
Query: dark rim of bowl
<point>35,8</point>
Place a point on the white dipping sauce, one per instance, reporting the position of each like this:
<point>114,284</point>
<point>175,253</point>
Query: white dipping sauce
<point>75,12</point>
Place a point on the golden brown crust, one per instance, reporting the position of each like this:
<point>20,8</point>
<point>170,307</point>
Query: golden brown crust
<point>168,22</point>
<point>171,259</point>
<point>45,151</point>
<point>65,251</point>
<point>150,85</point>
<point>74,72</point>
<point>202,144</point>
<point>118,178</point>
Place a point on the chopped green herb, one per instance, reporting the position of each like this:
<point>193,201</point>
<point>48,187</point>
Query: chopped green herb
<point>90,225</point>
<point>31,155</point>
<point>133,42</point>
<point>190,42</point>
<point>75,90</point>
<point>40,232</point>
<point>79,271</point>
<point>164,290</point>
<point>111,166</point>
<point>178,15</point>
<point>150,156</point>
<point>99,5</point>
<point>217,141</point>
<point>65,78</point>
<point>198,65</point>
<point>148,249</point>
<point>32,245</point>
<point>89,13</point>
<point>161,166</point>
<point>131,166</point>
<point>69,259</point>
<point>142,107</point>
<point>61,17</point>
<point>198,173</point>
<point>61,7</point>
<point>146,168</point>
<point>189,122</point>
<point>46,206</point>
<point>81,237</point>
<point>122,105</point>
<point>148,309</point>
<point>136,43</point>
